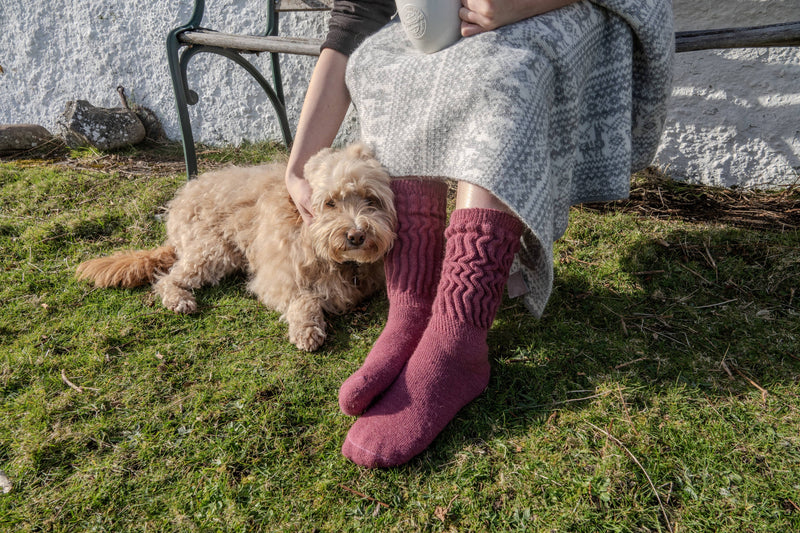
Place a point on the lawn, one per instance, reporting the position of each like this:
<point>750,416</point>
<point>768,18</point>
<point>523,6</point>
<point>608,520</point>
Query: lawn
<point>659,392</point>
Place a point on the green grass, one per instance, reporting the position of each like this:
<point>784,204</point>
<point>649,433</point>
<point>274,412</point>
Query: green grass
<point>668,354</point>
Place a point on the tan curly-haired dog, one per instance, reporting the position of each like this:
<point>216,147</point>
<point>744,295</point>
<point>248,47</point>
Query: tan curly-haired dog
<point>244,219</point>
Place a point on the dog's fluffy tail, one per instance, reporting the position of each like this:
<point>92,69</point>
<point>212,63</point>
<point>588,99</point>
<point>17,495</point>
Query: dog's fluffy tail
<point>128,269</point>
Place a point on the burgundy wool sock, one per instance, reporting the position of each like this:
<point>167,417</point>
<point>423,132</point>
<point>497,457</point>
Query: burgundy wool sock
<point>412,270</point>
<point>450,366</point>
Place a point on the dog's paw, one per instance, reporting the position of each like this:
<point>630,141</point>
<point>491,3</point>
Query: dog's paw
<point>175,298</point>
<point>308,337</point>
<point>184,306</point>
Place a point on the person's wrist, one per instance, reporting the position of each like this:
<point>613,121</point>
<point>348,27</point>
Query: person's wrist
<point>293,177</point>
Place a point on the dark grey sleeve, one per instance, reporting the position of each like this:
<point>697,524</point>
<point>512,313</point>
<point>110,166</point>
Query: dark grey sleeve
<point>352,21</point>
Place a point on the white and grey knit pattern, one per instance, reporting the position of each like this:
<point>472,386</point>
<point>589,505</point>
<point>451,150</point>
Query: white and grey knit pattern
<point>546,113</point>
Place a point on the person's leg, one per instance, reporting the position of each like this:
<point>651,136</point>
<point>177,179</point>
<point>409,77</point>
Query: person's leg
<point>469,196</point>
<point>412,270</point>
<point>450,366</point>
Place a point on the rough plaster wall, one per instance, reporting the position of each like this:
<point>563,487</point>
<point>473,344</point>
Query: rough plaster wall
<point>733,120</point>
<point>734,115</point>
<point>59,50</point>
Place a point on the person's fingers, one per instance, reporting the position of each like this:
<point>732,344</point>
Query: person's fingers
<point>303,203</point>
<point>477,16</point>
<point>468,29</point>
<point>307,215</point>
<point>300,193</point>
<point>470,21</point>
<point>466,15</point>
<point>473,5</point>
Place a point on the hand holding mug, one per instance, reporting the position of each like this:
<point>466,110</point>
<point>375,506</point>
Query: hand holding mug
<point>430,25</point>
<point>478,16</point>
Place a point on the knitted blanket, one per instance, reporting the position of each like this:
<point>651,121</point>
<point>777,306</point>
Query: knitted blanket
<point>546,113</point>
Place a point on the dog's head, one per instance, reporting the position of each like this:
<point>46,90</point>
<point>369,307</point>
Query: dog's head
<point>354,216</point>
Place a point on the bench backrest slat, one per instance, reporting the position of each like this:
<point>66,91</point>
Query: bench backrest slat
<point>303,5</point>
<point>784,34</point>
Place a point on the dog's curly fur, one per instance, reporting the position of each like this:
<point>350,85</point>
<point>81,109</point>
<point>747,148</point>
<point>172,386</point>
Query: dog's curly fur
<point>244,219</point>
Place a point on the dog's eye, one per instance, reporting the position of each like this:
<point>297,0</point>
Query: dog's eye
<point>330,203</point>
<point>373,202</point>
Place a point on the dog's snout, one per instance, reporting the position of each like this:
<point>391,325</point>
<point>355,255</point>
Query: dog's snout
<point>355,237</point>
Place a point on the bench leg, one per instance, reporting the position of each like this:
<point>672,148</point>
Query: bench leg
<point>277,104</point>
<point>277,81</point>
<point>183,97</point>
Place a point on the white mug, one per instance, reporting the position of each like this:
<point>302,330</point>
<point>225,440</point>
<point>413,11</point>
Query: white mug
<point>430,24</point>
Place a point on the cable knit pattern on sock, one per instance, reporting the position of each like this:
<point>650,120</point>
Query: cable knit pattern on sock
<point>481,244</point>
<point>412,270</point>
<point>450,366</point>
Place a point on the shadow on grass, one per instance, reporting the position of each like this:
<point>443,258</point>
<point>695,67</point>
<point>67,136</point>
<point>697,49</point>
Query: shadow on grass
<point>711,311</point>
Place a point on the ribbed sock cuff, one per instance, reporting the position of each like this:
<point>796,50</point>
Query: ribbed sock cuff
<point>414,263</point>
<point>481,244</point>
<point>420,197</point>
<point>481,220</point>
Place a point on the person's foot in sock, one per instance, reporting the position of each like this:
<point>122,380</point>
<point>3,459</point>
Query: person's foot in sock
<point>412,267</point>
<point>450,366</point>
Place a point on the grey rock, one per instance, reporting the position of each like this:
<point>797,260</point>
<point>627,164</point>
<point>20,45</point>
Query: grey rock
<point>83,124</point>
<point>22,137</point>
<point>154,131</point>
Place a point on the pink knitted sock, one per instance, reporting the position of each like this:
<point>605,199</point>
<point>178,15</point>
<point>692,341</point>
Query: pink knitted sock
<point>450,366</point>
<point>412,273</point>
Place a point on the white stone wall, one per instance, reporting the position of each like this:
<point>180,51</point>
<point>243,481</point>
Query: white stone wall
<point>735,114</point>
<point>733,119</point>
<point>52,51</point>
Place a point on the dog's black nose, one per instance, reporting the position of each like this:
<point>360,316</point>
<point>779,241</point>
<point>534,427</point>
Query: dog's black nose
<point>355,237</point>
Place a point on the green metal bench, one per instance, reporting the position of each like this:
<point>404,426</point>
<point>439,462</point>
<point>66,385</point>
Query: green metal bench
<point>190,39</point>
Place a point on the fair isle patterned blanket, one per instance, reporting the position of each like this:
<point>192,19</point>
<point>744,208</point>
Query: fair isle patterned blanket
<point>549,112</point>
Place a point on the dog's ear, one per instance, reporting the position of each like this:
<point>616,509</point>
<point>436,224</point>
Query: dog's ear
<point>359,151</point>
